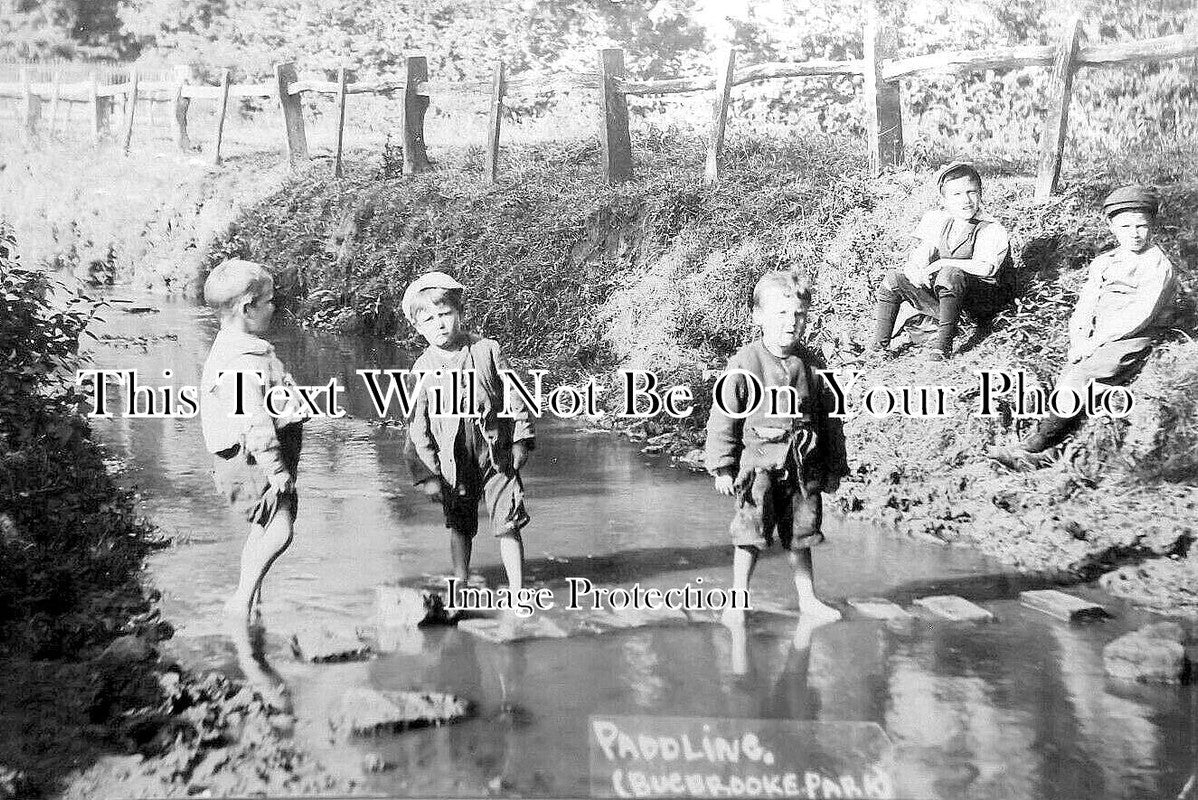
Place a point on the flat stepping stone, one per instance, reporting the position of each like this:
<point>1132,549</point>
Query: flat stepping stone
<point>320,645</point>
<point>644,617</point>
<point>506,631</point>
<point>880,608</point>
<point>954,608</point>
<point>1062,606</point>
<point>366,712</point>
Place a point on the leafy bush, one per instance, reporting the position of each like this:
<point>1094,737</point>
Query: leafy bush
<point>67,531</point>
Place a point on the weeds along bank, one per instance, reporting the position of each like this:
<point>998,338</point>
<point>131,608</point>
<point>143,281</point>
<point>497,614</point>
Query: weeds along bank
<point>149,219</point>
<point>580,278</point>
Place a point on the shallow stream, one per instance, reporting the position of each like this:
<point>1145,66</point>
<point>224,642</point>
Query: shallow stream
<point>1018,709</point>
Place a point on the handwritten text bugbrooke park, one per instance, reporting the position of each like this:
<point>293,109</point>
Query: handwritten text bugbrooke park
<point>681,757</point>
<point>641,395</point>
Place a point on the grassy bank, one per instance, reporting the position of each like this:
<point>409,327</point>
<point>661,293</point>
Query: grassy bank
<point>577,277</point>
<point>150,219</point>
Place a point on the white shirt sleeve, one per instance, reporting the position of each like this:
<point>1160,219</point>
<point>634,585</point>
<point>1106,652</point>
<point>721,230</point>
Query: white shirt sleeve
<point>930,227</point>
<point>991,247</point>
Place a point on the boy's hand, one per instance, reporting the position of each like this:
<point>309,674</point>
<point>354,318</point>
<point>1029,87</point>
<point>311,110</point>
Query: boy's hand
<point>921,275</point>
<point>723,483</point>
<point>1079,352</point>
<point>431,489</point>
<point>830,484</point>
<point>520,455</point>
<point>281,482</point>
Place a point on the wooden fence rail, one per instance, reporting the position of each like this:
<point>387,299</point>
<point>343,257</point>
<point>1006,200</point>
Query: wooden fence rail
<point>881,72</point>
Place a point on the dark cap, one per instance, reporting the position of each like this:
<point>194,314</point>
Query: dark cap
<point>957,169</point>
<point>1132,198</point>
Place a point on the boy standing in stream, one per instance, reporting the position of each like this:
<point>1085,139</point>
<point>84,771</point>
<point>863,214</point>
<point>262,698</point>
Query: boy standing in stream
<point>775,462</point>
<point>255,453</point>
<point>459,456</point>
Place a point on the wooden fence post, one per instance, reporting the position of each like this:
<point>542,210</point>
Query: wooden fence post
<point>1056,127</point>
<point>131,109</point>
<point>99,109</point>
<point>222,109</point>
<point>181,106</point>
<point>293,114</point>
<point>55,100</point>
<point>725,68</point>
<point>498,88</point>
<point>415,155</point>
<point>342,80</point>
<point>883,103</point>
<point>31,110</point>
<point>613,128</point>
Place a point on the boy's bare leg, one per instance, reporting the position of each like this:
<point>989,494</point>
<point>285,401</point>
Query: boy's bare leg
<point>811,608</point>
<point>461,547</point>
<point>511,552</point>
<point>744,559</point>
<point>262,547</point>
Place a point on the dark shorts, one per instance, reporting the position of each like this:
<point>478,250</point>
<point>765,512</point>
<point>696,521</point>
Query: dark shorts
<point>980,299</point>
<point>244,485</point>
<point>773,503</point>
<point>480,480</point>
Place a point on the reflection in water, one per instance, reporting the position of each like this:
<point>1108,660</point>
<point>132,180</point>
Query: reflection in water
<point>1016,710</point>
<point>1114,755</point>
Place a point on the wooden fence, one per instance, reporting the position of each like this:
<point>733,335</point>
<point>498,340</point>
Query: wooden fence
<point>881,72</point>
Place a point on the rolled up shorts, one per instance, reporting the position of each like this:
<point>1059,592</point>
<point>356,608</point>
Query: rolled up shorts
<point>771,502</point>
<point>244,484</point>
<point>479,480</point>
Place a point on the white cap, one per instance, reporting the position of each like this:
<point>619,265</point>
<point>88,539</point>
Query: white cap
<point>429,280</point>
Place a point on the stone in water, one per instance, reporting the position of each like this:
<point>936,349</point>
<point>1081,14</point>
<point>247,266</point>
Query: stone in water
<point>954,608</point>
<point>1062,606</point>
<point>879,608</point>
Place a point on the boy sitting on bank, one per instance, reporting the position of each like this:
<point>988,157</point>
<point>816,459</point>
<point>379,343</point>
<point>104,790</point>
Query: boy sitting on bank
<point>776,465</point>
<point>961,261</point>
<point>461,455</point>
<point>1123,308</point>
<point>255,454</point>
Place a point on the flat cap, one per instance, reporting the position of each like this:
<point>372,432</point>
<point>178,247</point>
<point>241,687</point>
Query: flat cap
<point>429,280</point>
<point>957,169</point>
<point>1132,198</point>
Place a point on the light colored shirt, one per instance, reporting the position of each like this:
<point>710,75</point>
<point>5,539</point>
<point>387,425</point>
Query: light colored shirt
<point>1125,295</point>
<point>990,248</point>
<point>255,429</point>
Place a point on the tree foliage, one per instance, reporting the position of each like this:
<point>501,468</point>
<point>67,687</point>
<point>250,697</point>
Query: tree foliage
<point>39,29</point>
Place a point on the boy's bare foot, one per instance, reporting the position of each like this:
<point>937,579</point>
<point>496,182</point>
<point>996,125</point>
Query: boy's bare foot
<point>813,612</point>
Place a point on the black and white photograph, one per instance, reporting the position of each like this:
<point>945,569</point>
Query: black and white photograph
<point>599,399</point>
